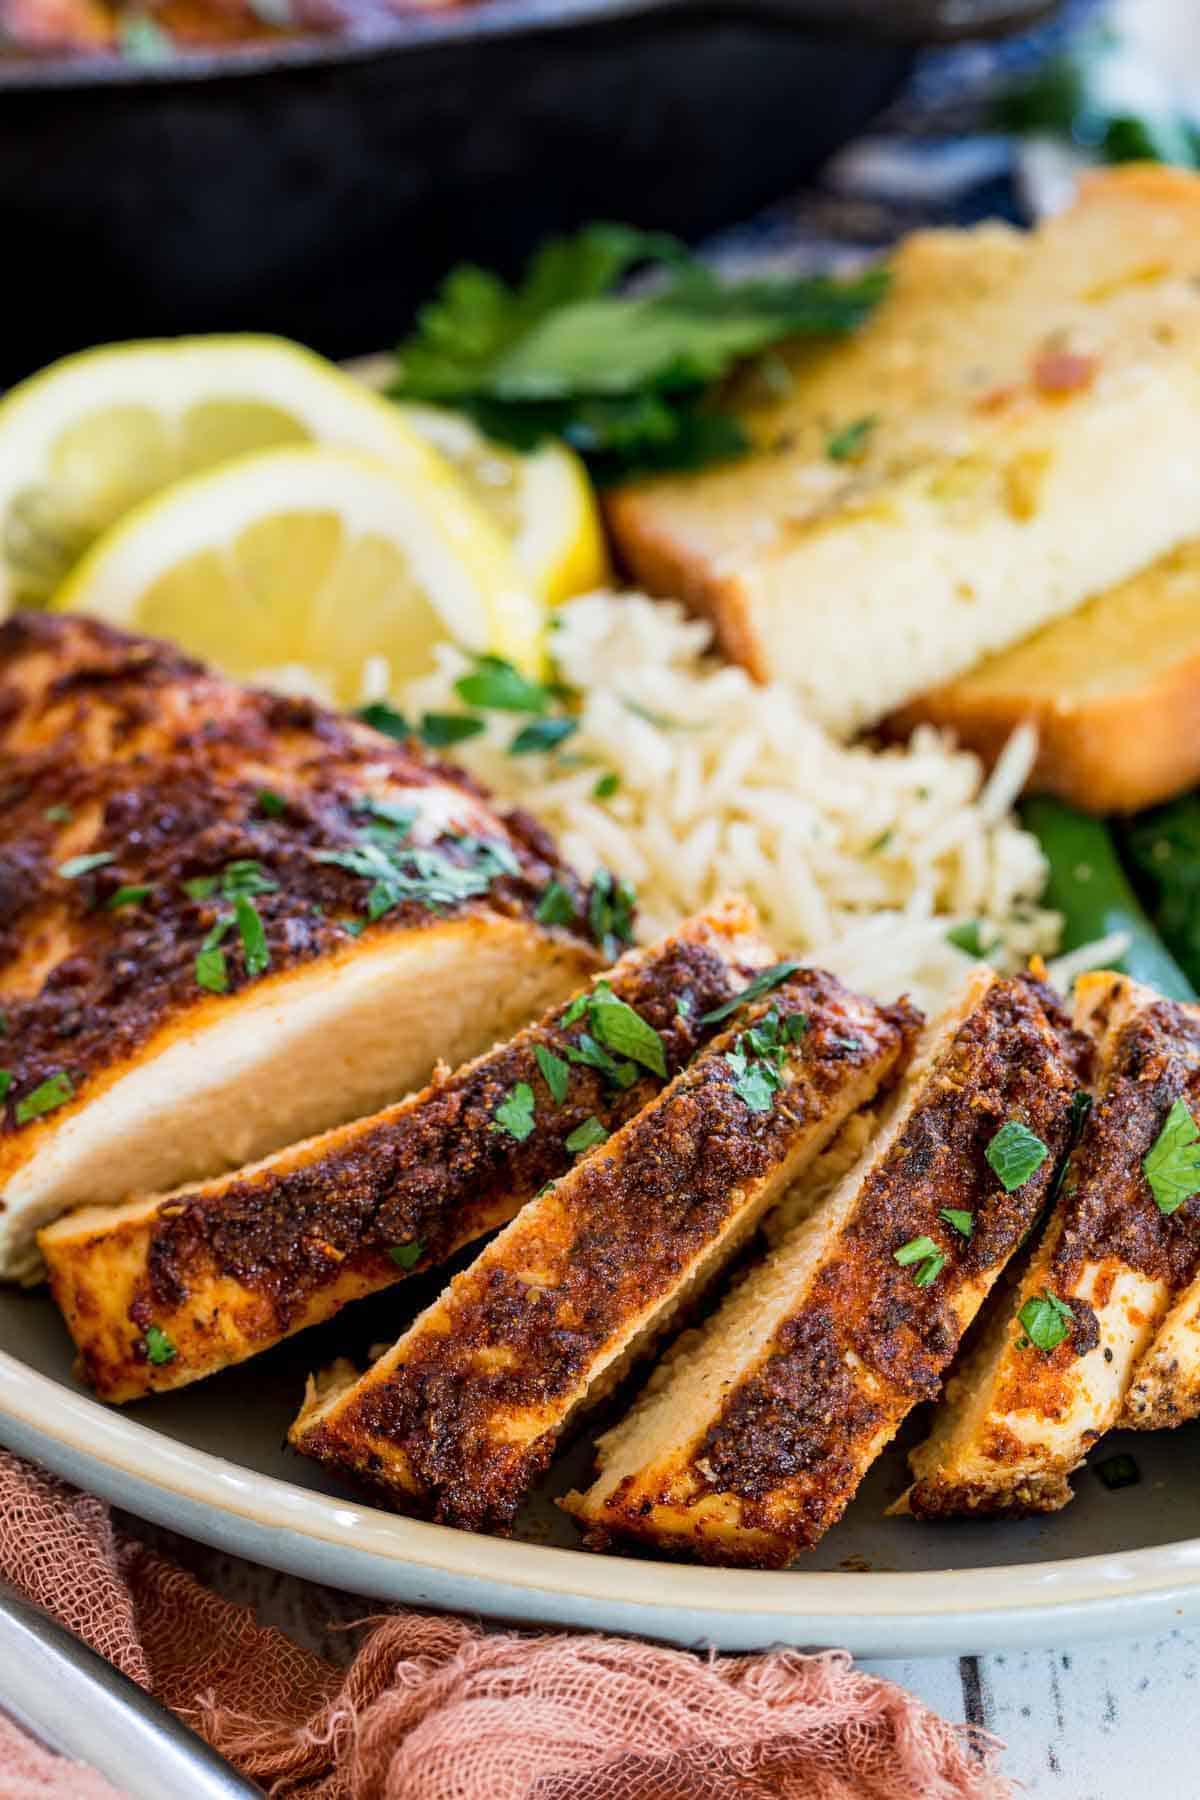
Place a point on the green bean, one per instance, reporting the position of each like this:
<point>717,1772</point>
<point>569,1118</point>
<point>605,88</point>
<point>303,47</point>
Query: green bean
<point>1088,886</point>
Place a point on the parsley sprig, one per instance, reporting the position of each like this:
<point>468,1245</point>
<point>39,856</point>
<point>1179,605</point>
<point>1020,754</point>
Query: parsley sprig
<point>759,1055</point>
<point>399,870</point>
<point>1046,1321</point>
<point>1015,1154</point>
<point>615,1030</point>
<point>624,377</point>
<point>926,1258</point>
<point>1172,1164</point>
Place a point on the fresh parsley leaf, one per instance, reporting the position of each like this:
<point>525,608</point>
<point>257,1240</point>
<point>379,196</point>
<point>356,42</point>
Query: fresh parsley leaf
<point>606,785</point>
<point>496,686</point>
<point>354,927</point>
<point>555,1072</point>
<point>930,1259</point>
<point>1046,1320</point>
<point>407,1256</point>
<point>440,729</point>
<point>399,871</point>
<point>201,887</point>
<point>1015,1154</point>
<point>6,1081</point>
<point>382,717</point>
<point>755,1083</point>
<point>584,1136</point>
<point>1172,1165</point>
<point>963,1222</point>
<point>848,444</point>
<point>967,937</point>
<point>542,734</point>
<point>159,1348</point>
<point>763,982</point>
<point>127,896</point>
<point>254,938</point>
<point>76,866</point>
<point>556,906</point>
<point>58,815</point>
<point>574,1011</point>
<point>588,1051</point>
<point>623,377</point>
<point>622,1029</point>
<point>1081,1106</point>
<point>3,1024</point>
<point>270,804</point>
<point>1118,1471</point>
<point>610,911</point>
<point>46,1097</point>
<point>211,972</point>
<point>515,1112</point>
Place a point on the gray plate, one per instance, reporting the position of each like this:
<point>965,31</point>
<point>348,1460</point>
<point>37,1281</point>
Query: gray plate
<point>209,1461</point>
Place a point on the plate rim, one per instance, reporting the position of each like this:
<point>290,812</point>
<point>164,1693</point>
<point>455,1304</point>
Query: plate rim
<point>362,1548</point>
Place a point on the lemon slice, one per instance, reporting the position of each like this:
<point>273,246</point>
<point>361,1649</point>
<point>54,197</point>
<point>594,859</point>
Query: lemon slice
<point>97,433</point>
<point>330,565</point>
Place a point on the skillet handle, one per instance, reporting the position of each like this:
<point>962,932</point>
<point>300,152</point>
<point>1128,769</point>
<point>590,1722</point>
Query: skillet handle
<point>72,1701</point>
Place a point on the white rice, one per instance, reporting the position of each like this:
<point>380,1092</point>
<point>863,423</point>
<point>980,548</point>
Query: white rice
<point>857,859</point>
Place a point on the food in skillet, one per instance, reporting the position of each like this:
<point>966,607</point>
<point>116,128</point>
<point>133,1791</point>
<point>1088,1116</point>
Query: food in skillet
<point>751,1442</point>
<point>231,919</point>
<point>461,1416</point>
<point>1049,1375</point>
<point>162,1291</point>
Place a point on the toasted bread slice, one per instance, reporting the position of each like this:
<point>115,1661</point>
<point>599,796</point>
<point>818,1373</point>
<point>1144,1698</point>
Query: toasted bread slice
<point>1113,689</point>
<point>460,1416</point>
<point>224,1269</point>
<point>1018,1417</point>
<point>156,815</point>
<point>1008,389</point>
<point>747,1447</point>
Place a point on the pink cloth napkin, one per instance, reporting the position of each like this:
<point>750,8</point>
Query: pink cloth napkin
<point>433,1708</point>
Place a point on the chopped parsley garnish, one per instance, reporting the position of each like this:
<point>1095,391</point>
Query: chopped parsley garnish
<point>610,911</point>
<point>440,729</point>
<point>963,1222</point>
<point>407,1256</point>
<point>201,887</point>
<point>127,896</point>
<point>556,906</point>
<point>622,1029</point>
<point>211,971</point>
<point>3,1024</point>
<point>1046,1321</point>
<point>497,686</point>
<point>763,982</point>
<point>244,876</point>
<point>54,1092</point>
<point>929,1258</point>
<point>270,804</point>
<point>254,938</point>
<point>683,1006</point>
<point>83,865</point>
<point>542,734</point>
<point>58,815</point>
<point>1015,1153</point>
<point>1118,1471</point>
<point>880,843</point>
<point>606,785</point>
<point>625,377</point>
<point>1081,1106</point>
<point>584,1136</point>
<point>758,1057</point>
<point>967,937</point>
<point>6,1081</point>
<point>353,927</point>
<point>1172,1165</point>
<point>848,444</point>
<point>587,1050</point>
<point>515,1112</point>
<point>400,871</point>
<point>382,717</point>
<point>159,1348</point>
<point>555,1072</point>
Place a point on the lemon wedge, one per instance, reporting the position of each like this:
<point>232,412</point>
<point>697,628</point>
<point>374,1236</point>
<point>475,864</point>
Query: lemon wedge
<point>328,570</point>
<point>97,433</point>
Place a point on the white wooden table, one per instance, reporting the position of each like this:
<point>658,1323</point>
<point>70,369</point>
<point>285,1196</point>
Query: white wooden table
<point>1107,1721</point>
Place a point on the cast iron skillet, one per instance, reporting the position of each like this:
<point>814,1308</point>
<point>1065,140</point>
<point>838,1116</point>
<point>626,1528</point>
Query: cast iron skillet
<point>319,188</point>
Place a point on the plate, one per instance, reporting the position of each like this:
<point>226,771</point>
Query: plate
<point>209,1461</point>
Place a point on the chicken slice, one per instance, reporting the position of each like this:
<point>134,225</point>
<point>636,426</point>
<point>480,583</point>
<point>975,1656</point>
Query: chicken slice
<point>748,1444</point>
<point>188,981</point>
<point>217,1272</point>
<point>461,1415</point>
<point>1165,1389</point>
<point>1049,1374</point>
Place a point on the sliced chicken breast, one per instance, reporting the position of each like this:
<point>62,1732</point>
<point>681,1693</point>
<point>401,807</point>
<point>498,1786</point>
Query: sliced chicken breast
<point>1049,1374</point>
<point>161,1291</point>
<point>230,919</point>
<point>460,1416</point>
<point>1165,1389</point>
<point>749,1442</point>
